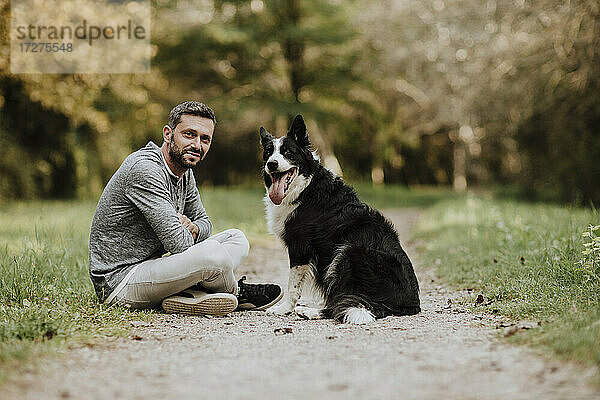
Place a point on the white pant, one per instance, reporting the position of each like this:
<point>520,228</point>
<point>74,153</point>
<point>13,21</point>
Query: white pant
<point>209,263</point>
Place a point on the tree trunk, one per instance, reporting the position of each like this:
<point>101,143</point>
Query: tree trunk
<point>459,160</point>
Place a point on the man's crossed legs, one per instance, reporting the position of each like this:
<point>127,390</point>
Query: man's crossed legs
<point>199,280</point>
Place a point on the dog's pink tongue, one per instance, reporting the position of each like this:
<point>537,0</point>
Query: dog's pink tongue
<point>276,191</point>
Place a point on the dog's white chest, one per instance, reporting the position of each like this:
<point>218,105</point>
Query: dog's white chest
<point>276,217</point>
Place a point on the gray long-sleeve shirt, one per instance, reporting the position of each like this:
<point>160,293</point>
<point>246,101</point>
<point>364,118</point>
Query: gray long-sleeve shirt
<point>136,218</point>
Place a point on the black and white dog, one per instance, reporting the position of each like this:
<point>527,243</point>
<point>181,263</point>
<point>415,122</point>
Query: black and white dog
<point>349,249</point>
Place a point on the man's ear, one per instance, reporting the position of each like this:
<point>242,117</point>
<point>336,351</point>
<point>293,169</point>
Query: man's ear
<point>298,132</point>
<point>167,132</point>
<point>265,137</point>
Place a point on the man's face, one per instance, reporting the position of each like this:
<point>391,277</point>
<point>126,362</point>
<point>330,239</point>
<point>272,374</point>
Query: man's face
<point>190,140</point>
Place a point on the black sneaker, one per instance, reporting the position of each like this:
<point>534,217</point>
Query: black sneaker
<point>257,296</point>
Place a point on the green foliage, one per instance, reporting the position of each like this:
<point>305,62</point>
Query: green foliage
<point>561,146</point>
<point>260,63</point>
<point>38,161</point>
<point>425,92</point>
<point>70,131</point>
<point>525,260</point>
<point>16,180</point>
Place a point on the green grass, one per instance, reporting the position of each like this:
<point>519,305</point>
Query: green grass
<point>396,196</point>
<point>45,293</point>
<point>523,258</point>
<point>236,207</point>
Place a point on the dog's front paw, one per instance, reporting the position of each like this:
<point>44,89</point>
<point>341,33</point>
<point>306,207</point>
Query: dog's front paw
<point>308,312</point>
<point>280,309</point>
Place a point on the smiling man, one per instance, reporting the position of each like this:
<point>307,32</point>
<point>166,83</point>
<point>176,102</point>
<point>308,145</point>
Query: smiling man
<point>150,240</point>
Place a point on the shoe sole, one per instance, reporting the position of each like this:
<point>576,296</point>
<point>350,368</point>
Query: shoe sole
<point>212,304</point>
<point>251,307</point>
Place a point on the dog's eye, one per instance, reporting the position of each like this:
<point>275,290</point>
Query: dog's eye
<point>286,152</point>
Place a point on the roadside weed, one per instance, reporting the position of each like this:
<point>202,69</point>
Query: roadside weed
<point>590,255</point>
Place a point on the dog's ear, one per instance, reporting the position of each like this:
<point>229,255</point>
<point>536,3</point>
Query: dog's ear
<point>298,132</point>
<point>265,137</point>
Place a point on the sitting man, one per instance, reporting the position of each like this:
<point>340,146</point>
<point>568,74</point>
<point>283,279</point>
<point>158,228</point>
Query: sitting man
<point>150,208</point>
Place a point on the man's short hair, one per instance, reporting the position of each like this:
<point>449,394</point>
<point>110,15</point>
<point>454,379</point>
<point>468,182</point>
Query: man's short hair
<point>192,108</point>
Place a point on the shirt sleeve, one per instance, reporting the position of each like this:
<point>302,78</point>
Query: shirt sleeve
<point>195,211</point>
<point>148,191</point>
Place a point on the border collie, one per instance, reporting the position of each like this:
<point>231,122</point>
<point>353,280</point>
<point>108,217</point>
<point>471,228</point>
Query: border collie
<point>349,251</point>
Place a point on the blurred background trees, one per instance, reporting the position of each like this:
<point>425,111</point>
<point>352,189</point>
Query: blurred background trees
<point>398,91</point>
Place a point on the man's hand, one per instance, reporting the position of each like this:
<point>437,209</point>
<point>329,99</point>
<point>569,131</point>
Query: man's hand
<point>189,225</point>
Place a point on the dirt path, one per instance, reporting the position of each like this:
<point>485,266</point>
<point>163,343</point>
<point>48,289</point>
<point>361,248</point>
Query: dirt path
<point>442,353</point>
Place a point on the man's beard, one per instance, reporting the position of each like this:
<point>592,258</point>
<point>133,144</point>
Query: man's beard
<point>177,155</point>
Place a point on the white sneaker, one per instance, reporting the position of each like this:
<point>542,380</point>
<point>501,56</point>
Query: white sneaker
<point>195,302</point>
